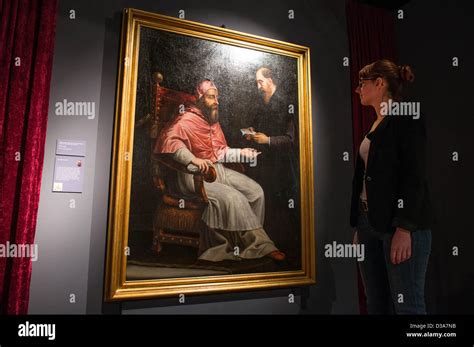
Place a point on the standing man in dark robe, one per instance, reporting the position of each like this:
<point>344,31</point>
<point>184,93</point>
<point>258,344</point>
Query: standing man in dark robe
<point>274,133</point>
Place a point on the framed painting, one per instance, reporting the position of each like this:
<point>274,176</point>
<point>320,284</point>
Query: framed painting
<point>212,170</point>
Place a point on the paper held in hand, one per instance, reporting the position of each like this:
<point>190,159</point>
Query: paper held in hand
<point>247,131</point>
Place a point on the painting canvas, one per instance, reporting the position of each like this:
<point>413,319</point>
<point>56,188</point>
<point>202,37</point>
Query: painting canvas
<point>212,173</point>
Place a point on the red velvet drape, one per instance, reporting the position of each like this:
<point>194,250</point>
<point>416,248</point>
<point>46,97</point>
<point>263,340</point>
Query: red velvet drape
<point>371,34</point>
<point>27,29</point>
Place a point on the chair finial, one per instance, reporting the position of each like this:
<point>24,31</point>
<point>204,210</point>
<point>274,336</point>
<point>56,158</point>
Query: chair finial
<point>157,77</point>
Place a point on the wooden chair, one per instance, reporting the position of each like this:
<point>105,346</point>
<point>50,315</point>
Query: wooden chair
<point>176,220</point>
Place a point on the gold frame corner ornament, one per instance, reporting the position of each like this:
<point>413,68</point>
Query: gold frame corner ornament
<point>116,285</point>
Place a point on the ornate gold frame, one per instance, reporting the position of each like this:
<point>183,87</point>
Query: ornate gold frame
<point>117,288</point>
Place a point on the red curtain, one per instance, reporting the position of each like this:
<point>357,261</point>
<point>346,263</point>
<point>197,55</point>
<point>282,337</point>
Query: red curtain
<point>371,34</point>
<point>26,52</point>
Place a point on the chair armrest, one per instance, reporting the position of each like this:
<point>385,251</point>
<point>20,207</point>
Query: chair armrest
<point>199,178</point>
<point>167,160</point>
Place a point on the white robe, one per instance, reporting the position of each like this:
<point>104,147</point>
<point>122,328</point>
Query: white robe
<point>234,215</point>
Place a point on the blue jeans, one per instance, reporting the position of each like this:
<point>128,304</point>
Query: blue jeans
<point>390,288</point>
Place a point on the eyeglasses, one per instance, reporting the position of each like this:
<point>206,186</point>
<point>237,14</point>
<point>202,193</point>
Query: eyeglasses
<point>361,80</point>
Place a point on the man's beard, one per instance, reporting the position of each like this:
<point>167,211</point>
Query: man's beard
<point>211,113</point>
<point>263,94</point>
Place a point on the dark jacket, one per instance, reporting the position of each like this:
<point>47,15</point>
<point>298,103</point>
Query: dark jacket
<point>396,169</point>
<point>277,166</point>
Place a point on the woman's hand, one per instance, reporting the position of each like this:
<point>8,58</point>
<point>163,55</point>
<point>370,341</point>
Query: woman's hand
<point>400,249</point>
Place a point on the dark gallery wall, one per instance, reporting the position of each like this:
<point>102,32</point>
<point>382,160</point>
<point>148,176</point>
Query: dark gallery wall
<point>68,277</point>
<point>429,37</point>
<point>72,228</point>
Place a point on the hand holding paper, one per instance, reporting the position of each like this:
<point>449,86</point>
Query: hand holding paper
<point>248,133</point>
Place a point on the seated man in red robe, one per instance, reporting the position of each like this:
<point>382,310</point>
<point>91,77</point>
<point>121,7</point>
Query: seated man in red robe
<point>235,213</point>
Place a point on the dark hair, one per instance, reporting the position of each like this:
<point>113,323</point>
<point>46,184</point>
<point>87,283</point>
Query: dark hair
<point>269,72</point>
<point>395,75</point>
